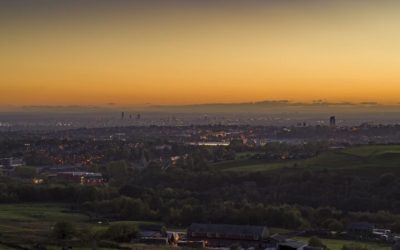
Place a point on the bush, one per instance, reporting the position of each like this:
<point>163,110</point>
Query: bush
<point>315,242</point>
<point>355,247</point>
<point>122,232</point>
<point>64,230</point>
<point>333,225</point>
<point>235,247</point>
<point>25,172</point>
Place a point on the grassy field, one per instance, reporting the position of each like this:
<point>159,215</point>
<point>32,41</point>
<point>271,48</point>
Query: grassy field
<point>374,150</point>
<point>372,159</point>
<point>30,223</point>
<point>248,167</point>
<point>333,244</point>
<point>33,221</point>
<point>27,223</point>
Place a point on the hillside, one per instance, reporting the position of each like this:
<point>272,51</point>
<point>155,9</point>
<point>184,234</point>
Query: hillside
<point>372,159</point>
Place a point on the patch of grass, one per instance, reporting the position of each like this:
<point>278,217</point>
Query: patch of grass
<point>334,244</point>
<point>37,212</point>
<point>237,163</point>
<point>75,248</point>
<point>261,166</point>
<point>246,155</point>
<point>32,222</point>
<point>371,150</point>
<point>149,247</point>
<point>374,158</point>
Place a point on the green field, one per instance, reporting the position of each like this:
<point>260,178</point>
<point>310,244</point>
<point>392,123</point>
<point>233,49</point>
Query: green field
<point>373,159</point>
<point>333,244</point>
<point>30,223</point>
<point>33,221</point>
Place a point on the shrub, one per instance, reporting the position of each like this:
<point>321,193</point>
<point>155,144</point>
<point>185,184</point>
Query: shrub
<point>64,230</point>
<point>121,232</point>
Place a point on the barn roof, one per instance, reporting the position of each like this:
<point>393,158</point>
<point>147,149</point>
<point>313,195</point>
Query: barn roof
<point>361,226</point>
<point>293,244</point>
<point>227,229</point>
<point>278,238</point>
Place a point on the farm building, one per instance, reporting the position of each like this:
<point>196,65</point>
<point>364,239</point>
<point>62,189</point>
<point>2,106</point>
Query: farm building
<point>313,248</point>
<point>225,235</point>
<point>273,241</point>
<point>84,178</point>
<point>151,231</point>
<point>361,230</point>
<point>292,245</point>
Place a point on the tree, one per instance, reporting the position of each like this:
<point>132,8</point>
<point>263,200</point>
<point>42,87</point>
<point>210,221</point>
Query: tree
<point>315,242</point>
<point>25,172</point>
<point>333,224</point>
<point>355,247</point>
<point>64,230</point>
<point>387,179</point>
<point>235,247</point>
<point>118,171</point>
<point>122,232</point>
<point>88,235</point>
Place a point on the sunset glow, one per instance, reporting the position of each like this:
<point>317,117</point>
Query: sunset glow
<point>169,53</point>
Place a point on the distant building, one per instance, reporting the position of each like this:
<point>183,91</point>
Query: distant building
<point>313,248</point>
<point>361,230</point>
<point>332,121</point>
<point>191,244</point>
<point>8,165</point>
<point>292,245</point>
<point>396,246</point>
<point>122,115</point>
<point>216,235</point>
<point>150,231</point>
<point>274,240</point>
<point>84,178</point>
<point>11,163</point>
<point>210,143</point>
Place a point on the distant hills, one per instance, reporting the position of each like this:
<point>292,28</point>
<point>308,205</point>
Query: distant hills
<point>282,106</point>
<point>364,160</point>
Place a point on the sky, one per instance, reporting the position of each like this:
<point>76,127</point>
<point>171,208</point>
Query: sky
<point>172,52</point>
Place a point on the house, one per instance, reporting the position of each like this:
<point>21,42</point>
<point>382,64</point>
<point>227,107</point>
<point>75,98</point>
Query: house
<point>8,165</point>
<point>273,241</point>
<point>11,163</point>
<point>360,230</point>
<point>313,248</point>
<point>292,245</point>
<point>152,234</point>
<point>219,235</point>
<point>382,234</point>
<point>84,178</point>
<point>151,231</point>
<point>191,244</point>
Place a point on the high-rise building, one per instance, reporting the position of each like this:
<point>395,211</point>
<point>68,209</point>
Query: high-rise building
<point>332,121</point>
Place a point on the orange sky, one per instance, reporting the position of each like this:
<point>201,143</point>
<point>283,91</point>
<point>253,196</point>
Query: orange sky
<point>130,55</point>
